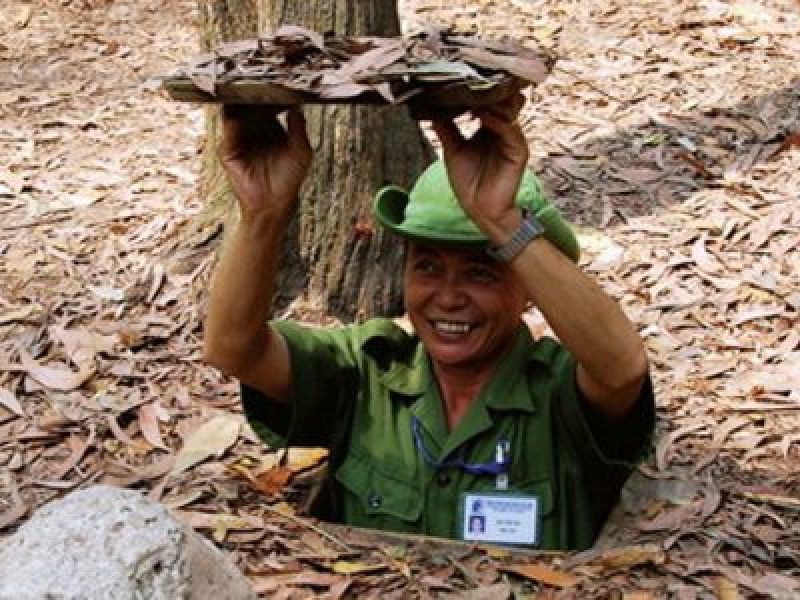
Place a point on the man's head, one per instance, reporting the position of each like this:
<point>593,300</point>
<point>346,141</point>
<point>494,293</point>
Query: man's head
<point>464,305</point>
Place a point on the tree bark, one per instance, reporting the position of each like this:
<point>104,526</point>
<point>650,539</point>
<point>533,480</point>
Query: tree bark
<point>334,258</point>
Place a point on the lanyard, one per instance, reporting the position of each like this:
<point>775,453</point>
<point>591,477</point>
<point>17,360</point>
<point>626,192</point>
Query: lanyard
<point>499,467</point>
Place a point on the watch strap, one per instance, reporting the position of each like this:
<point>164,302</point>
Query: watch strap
<point>529,229</point>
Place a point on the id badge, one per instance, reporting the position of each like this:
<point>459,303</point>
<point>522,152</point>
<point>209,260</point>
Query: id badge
<point>500,518</point>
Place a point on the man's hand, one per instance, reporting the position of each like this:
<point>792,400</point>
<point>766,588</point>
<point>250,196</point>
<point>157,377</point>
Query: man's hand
<point>265,163</point>
<point>485,170</point>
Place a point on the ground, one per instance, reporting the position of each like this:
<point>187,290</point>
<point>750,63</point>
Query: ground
<point>669,131</point>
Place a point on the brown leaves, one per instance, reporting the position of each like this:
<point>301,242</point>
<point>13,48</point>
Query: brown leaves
<point>10,402</point>
<point>212,438</point>
<point>543,574</point>
<point>669,127</point>
<point>273,481</point>
<point>294,65</point>
<point>625,557</point>
<point>276,474</point>
<point>149,416</point>
<point>792,140</point>
<point>56,378</point>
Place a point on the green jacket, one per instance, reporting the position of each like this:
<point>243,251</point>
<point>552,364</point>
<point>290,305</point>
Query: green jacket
<point>356,388</point>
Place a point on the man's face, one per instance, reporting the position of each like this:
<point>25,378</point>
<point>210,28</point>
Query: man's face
<point>464,306</point>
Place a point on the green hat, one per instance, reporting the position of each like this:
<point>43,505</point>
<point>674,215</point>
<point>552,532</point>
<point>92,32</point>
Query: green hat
<point>432,213</point>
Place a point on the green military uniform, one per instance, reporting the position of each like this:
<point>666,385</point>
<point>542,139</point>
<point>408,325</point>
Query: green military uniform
<point>355,390</point>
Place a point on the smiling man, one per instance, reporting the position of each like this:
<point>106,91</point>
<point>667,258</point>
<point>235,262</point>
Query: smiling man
<point>467,417</point>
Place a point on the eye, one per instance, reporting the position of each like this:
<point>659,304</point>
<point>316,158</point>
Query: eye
<point>425,266</point>
<point>481,274</point>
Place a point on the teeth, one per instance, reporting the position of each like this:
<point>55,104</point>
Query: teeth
<point>450,327</point>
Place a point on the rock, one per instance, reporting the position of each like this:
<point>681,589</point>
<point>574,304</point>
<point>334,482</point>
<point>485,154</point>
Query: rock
<point>111,543</point>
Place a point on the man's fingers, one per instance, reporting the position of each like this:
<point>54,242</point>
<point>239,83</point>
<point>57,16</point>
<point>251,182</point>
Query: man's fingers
<point>508,109</point>
<point>512,140</point>
<point>296,127</point>
<point>246,127</point>
<point>517,102</point>
<point>233,129</point>
<point>449,135</point>
<point>503,127</point>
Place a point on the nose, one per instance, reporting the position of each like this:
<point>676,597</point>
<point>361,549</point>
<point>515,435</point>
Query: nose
<point>451,295</point>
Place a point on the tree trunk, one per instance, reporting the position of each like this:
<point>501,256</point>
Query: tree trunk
<point>334,259</point>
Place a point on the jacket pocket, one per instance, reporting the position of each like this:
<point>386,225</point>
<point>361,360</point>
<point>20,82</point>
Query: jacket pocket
<point>378,497</point>
<point>543,490</point>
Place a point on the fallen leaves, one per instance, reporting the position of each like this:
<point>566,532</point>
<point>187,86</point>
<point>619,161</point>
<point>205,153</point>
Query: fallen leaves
<point>219,523</point>
<point>543,574</point>
<point>61,379</point>
<point>271,482</point>
<point>275,473</point>
<point>771,496</point>
<point>346,567</point>
<point>18,509</point>
<point>212,438</point>
<point>792,140</point>
<point>149,416</point>
<point>668,131</point>
<point>293,65</point>
<point>9,401</point>
<point>610,559</point>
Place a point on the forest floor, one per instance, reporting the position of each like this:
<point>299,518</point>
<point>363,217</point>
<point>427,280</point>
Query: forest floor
<point>669,131</point>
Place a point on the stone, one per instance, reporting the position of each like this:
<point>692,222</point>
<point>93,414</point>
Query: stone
<point>110,543</point>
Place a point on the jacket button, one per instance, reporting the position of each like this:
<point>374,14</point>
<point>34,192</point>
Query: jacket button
<point>375,500</point>
<point>443,479</point>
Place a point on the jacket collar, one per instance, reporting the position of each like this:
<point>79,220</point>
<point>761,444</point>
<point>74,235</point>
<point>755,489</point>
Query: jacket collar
<point>404,367</point>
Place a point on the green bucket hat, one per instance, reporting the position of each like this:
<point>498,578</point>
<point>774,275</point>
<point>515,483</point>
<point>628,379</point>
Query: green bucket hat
<point>431,212</point>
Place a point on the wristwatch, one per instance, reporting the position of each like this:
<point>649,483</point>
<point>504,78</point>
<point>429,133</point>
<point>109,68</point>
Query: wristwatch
<point>528,230</point>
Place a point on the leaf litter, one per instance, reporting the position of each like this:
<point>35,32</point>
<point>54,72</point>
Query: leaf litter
<point>667,131</point>
<point>325,67</point>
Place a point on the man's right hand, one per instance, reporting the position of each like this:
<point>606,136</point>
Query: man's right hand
<point>265,163</point>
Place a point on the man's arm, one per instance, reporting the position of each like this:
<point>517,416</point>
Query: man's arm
<point>611,357</point>
<point>485,171</point>
<point>266,166</point>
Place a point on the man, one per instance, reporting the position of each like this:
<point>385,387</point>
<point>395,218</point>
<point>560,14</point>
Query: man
<point>468,409</point>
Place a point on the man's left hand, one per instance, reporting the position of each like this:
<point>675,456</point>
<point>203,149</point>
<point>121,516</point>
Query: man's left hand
<point>485,169</point>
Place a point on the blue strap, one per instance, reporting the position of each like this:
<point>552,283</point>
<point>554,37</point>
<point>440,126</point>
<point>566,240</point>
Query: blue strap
<point>458,462</point>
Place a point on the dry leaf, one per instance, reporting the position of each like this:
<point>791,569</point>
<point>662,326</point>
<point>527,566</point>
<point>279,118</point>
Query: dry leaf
<point>273,481</point>
<point>9,400</point>
<point>497,591</point>
<point>20,314</point>
<point>57,378</point>
<point>201,520</point>
<point>300,459</point>
<point>212,438</point>
<point>346,567</point>
<point>770,497</point>
<point>108,293</point>
<point>148,423</point>
<point>542,574</point>
<point>13,514</point>
<point>726,589</point>
<point>629,556</point>
<point>23,16</point>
